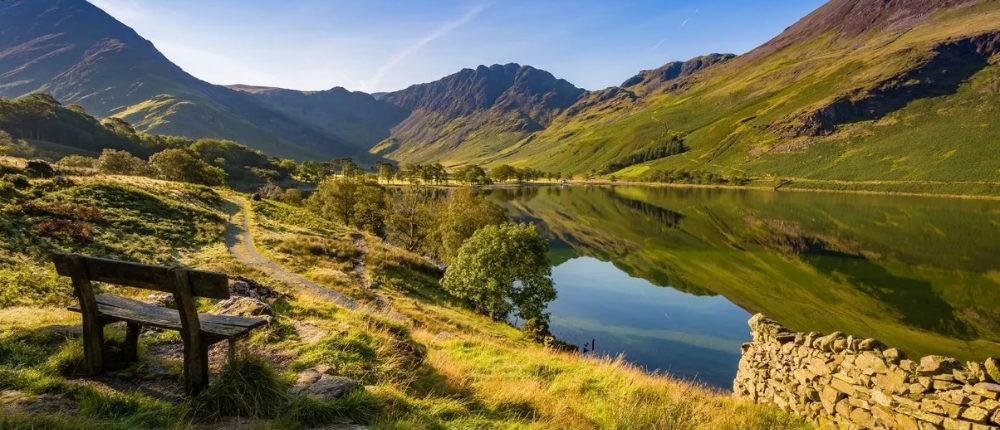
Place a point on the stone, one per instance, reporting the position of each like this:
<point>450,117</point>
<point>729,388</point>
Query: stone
<point>925,416</point>
<point>242,306</point>
<point>882,398</point>
<point>908,365</point>
<point>935,365</point>
<point>988,390</point>
<point>952,424</point>
<point>976,369</point>
<point>989,405</point>
<point>955,397</point>
<point>975,414</point>
<point>869,345</point>
<point>945,385</point>
<point>843,386</point>
<point>162,300</point>
<point>992,369</point>
<point>862,418</point>
<point>843,408</point>
<point>893,355</point>
<point>871,361</point>
<point>996,418</point>
<point>825,343</point>
<point>906,423</point>
<point>317,383</point>
<point>895,381</point>
<point>884,416</point>
<point>818,366</point>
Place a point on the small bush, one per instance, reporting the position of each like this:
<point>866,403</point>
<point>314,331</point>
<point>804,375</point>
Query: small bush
<point>39,169</point>
<point>67,229</point>
<point>247,387</point>
<point>77,161</point>
<point>20,182</point>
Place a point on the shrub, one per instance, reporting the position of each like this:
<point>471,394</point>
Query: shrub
<point>67,229</point>
<point>78,161</point>
<point>39,169</point>
<point>178,165</point>
<point>114,162</point>
<point>20,182</point>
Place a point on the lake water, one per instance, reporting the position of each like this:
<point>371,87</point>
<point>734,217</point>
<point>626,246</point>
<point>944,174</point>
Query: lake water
<point>668,276</point>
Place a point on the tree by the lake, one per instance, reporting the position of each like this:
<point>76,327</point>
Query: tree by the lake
<point>472,174</point>
<point>411,218</point>
<point>385,171</point>
<point>504,269</point>
<point>354,201</point>
<point>503,173</point>
<point>460,215</point>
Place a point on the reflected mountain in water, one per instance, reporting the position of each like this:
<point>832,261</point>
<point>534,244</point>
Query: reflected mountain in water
<point>921,274</point>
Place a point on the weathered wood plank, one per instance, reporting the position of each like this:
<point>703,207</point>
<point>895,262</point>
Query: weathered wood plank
<point>204,284</point>
<point>169,319</point>
<point>195,351</point>
<point>93,330</point>
<point>143,307</point>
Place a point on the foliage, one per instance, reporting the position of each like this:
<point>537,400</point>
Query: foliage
<point>40,117</point>
<point>460,215</point>
<point>179,165</point>
<point>672,146</point>
<point>239,161</point>
<point>411,218</point>
<point>503,173</point>
<point>357,202</point>
<point>116,162</point>
<point>696,177</point>
<point>472,174</point>
<point>78,161</point>
<point>19,181</point>
<point>39,169</point>
<point>502,269</point>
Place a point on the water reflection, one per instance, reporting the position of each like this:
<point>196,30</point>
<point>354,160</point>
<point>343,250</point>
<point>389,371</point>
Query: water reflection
<point>918,273</point>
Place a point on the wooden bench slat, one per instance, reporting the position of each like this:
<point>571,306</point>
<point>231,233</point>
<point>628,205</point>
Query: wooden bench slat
<point>124,309</point>
<point>212,285</point>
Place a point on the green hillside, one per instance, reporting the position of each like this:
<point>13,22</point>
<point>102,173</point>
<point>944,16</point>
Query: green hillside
<point>912,100</point>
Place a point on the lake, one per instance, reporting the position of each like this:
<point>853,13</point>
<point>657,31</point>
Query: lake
<point>669,276</point>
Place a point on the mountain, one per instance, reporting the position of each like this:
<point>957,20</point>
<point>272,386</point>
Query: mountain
<point>81,55</point>
<point>354,118</point>
<point>879,92</point>
<point>475,113</point>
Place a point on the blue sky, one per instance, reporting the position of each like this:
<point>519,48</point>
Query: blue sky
<point>385,45</point>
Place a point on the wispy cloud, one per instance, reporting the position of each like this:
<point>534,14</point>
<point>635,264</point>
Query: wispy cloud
<point>399,56</point>
<point>657,45</point>
<point>689,18</point>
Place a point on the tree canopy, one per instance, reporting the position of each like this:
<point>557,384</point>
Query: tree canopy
<point>503,269</point>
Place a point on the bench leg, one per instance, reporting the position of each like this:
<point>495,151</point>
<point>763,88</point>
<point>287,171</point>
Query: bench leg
<point>130,351</point>
<point>232,351</point>
<point>196,368</point>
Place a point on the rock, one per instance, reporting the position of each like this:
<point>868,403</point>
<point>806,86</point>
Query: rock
<point>975,414</point>
<point>869,345</point>
<point>893,355</point>
<point>309,333</point>
<point>871,361</point>
<point>951,424</point>
<point>988,390</point>
<point>246,287</point>
<point>326,387</point>
<point>882,398</point>
<point>162,300</point>
<point>242,306</point>
<point>996,418</point>
<point>935,364</point>
<point>906,423</point>
<point>992,368</point>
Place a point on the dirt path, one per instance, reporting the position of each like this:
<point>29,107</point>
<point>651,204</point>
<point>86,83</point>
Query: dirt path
<point>240,244</point>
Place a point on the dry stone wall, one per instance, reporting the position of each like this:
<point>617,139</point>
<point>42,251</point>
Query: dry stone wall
<point>839,381</point>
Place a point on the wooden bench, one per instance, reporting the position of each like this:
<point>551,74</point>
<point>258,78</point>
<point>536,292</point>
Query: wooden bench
<point>199,331</point>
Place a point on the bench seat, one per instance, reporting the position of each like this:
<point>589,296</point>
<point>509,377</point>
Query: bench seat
<point>216,327</point>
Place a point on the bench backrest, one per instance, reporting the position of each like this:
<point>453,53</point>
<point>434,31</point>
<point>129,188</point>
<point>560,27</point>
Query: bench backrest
<point>210,285</point>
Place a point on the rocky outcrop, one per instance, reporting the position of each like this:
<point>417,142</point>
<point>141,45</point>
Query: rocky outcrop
<point>316,382</point>
<point>840,381</point>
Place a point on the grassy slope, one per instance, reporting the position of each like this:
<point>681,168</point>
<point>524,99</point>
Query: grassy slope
<point>725,116</point>
<point>480,375</point>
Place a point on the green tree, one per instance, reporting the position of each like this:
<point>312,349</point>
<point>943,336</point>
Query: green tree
<point>179,165</point>
<point>411,218</point>
<point>472,174</point>
<point>504,269</point>
<point>503,173</point>
<point>460,215</point>
<point>386,171</point>
<point>115,162</point>
<point>79,161</point>
<point>5,142</point>
<point>354,201</point>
